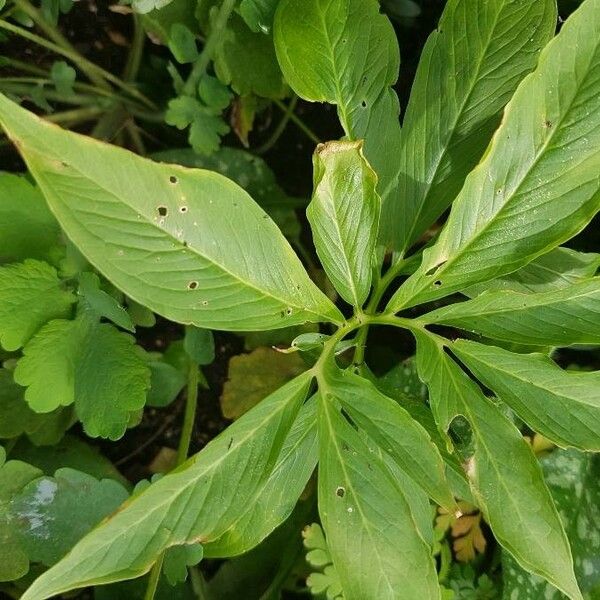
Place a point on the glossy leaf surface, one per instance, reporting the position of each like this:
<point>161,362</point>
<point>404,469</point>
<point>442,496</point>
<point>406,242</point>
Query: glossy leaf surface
<point>159,232</point>
<point>538,183</point>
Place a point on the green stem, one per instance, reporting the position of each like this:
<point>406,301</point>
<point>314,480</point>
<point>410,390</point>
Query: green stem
<point>212,43</point>
<point>77,115</point>
<point>23,66</point>
<point>134,58</point>
<point>57,37</point>
<point>78,60</point>
<point>154,578</point>
<point>296,120</point>
<point>189,417</point>
<point>280,127</point>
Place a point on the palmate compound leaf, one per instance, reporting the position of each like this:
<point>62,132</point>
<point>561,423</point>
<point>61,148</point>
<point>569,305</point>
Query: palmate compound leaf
<point>189,244</point>
<point>344,217</point>
<point>538,183</point>
<point>87,363</point>
<point>563,406</point>
<point>469,68</point>
<point>505,476</point>
<point>373,537</point>
<point>197,503</point>
<point>31,294</point>
<point>567,316</point>
<point>352,61</point>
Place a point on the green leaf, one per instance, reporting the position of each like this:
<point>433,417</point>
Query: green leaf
<point>221,481</point>
<point>53,513</point>
<point>199,345</point>
<point>538,184</point>
<point>71,452</point>
<point>166,382</point>
<point>279,493</point>
<point>27,227</point>
<point>205,123</point>
<point>90,364</point>
<point>252,377</point>
<point>182,43</point>
<point>157,232</point>
<point>505,476</point>
<point>573,481</point>
<point>213,93</point>
<point>14,475</point>
<point>145,6</point>
<point>178,559</point>
<point>395,431</point>
<point>469,69</point>
<point>63,77</point>
<point>328,581</point>
<point>16,417</point>
<point>101,303</point>
<point>372,535</point>
<point>559,268</point>
<point>352,60</point>
<point>31,294</point>
<point>567,316</point>
<point>344,217</point>
<point>246,61</point>
<point>259,14</point>
<point>563,406</point>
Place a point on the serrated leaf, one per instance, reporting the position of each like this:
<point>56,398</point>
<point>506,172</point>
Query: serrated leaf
<point>567,316</point>
<point>344,217</point>
<point>561,405</point>
<point>525,523</point>
<point>127,544</point>
<point>351,61</point>
<point>87,363</point>
<point>14,475</point>
<point>27,227</point>
<point>394,431</point>
<point>469,69</point>
<point>178,559</point>
<point>101,303</point>
<point>31,294</point>
<point>158,233</point>
<point>213,93</point>
<point>559,268</point>
<point>538,184</point>
<point>371,532</point>
<point>246,61</point>
<point>53,513</point>
<point>327,582</point>
<point>279,493</point>
<point>252,377</point>
<point>573,481</point>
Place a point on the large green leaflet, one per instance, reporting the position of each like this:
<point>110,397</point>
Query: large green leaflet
<point>569,315</point>
<point>372,534</point>
<point>352,61</point>
<point>344,217</point>
<point>573,479</point>
<point>196,503</point>
<point>563,406</point>
<point>525,523</point>
<point>538,183</point>
<point>469,68</point>
<point>394,430</point>
<point>189,244</point>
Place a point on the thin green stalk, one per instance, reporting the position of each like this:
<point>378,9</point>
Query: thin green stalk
<point>134,58</point>
<point>154,578</point>
<point>212,42</point>
<point>280,127</point>
<point>57,37</point>
<point>294,118</point>
<point>24,89</point>
<point>23,66</point>
<point>78,60</point>
<point>77,115</point>
<point>189,417</point>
